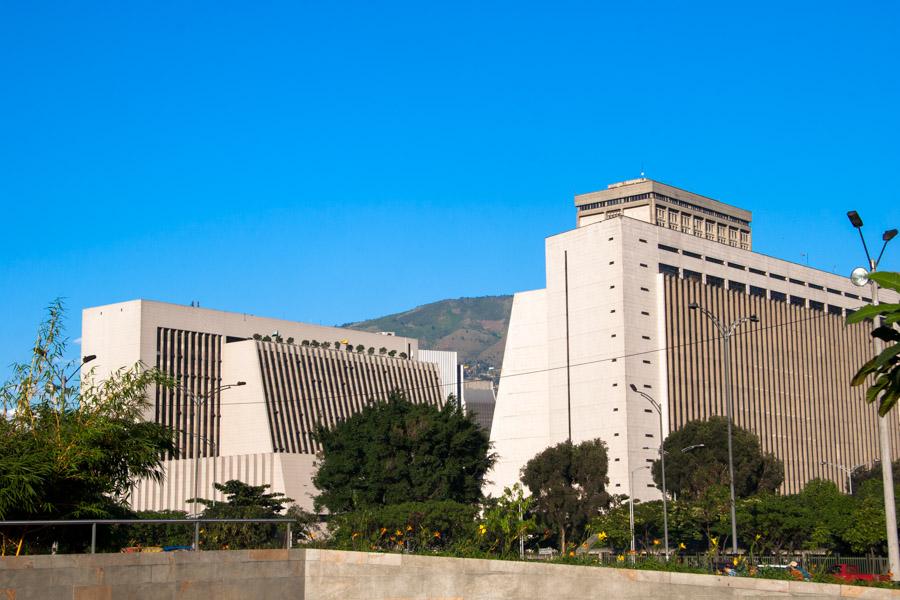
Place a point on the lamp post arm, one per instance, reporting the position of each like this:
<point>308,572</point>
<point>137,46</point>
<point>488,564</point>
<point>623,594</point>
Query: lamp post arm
<point>865,246</point>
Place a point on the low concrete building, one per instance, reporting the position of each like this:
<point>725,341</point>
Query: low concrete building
<point>295,377</point>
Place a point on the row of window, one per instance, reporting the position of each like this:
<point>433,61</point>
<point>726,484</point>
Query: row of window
<point>743,288</point>
<point>711,230</point>
<point>761,272</point>
<point>666,199</point>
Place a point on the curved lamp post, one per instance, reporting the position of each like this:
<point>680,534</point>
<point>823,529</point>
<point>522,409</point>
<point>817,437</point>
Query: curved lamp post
<point>726,333</point>
<point>662,457</point>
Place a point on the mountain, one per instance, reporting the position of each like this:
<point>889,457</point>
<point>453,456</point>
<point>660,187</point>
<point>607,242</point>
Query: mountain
<point>473,327</point>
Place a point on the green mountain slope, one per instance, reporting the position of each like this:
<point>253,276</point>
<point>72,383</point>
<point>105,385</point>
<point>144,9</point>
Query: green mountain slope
<point>474,327</point>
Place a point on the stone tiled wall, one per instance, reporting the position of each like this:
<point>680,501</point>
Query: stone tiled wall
<point>329,574</point>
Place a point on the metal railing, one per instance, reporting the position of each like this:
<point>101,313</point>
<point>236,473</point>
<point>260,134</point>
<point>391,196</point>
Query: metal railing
<point>811,562</point>
<point>288,540</point>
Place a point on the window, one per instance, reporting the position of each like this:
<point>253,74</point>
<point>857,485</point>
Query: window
<point>612,262</point>
<point>642,240</point>
<point>648,386</point>
<point>814,286</point>
<point>849,295</point>
<point>646,337</point>
<point>667,248</point>
<point>612,287</point>
<point>715,281</point>
<point>646,362</point>
<point>736,286</point>
<point>648,435</point>
<point>778,296</point>
<point>616,410</point>
<point>611,239</point>
<point>797,281</point>
<point>815,305</point>
<point>715,260</point>
<point>644,312</point>
<point>660,216</point>
<point>835,310</point>
<point>643,289</point>
<point>798,301</point>
<point>698,226</point>
<point>688,274</point>
<point>710,230</point>
<point>673,220</point>
<point>644,265</point>
<point>613,335</point>
<point>691,254</point>
<point>833,291</point>
<point>668,270</point>
<point>737,266</point>
<point>757,271</point>
<point>778,277</point>
<point>757,291</point>
<point>686,222</point>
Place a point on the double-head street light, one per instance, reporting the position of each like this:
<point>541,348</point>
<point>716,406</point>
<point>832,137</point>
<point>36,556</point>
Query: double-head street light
<point>860,277</point>
<point>662,457</point>
<point>848,470</point>
<point>726,332</point>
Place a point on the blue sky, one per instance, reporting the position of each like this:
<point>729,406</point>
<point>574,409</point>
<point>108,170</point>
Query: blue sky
<point>337,161</point>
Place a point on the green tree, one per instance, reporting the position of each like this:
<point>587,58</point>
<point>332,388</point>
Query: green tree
<point>867,531</point>
<point>568,482</point>
<point>883,371</point>
<point>243,501</point>
<point>506,520</point>
<point>397,451</point>
<point>73,451</point>
<point>863,475</point>
<point>690,474</point>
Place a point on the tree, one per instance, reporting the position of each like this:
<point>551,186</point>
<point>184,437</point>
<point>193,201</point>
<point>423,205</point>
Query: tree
<point>506,520</point>
<point>569,485</point>
<point>360,348</point>
<point>884,368</point>
<point>689,474</point>
<point>243,501</point>
<point>397,451</point>
<point>74,451</point>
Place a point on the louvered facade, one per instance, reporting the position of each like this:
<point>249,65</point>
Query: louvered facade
<point>305,387</point>
<point>791,385</point>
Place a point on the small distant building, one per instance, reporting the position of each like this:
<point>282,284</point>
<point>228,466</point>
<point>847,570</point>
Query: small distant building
<point>480,402</point>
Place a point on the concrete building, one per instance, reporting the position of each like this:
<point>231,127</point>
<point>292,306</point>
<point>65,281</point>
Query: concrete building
<point>615,313</point>
<point>296,376</point>
<point>480,402</point>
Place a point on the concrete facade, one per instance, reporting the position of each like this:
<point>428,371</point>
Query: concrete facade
<point>262,431</point>
<point>605,321</point>
<point>331,574</point>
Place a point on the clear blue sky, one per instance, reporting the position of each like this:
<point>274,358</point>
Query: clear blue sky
<point>331,162</point>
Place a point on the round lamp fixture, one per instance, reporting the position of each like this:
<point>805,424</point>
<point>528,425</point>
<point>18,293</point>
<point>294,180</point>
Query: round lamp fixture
<point>859,277</point>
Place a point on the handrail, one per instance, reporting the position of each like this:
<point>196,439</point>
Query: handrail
<point>187,521</point>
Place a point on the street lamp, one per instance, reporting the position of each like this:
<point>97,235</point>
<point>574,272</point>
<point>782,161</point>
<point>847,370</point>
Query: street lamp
<point>199,400</point>
<point>726,333</point>
<point>848,470</point>
<point>860,277</point>
<point>662,457</point>
<point>65,378</point>
<point>692,447</point>
<point>631,506</point>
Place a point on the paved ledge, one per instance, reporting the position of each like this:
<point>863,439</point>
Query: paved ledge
<point>331,574</point>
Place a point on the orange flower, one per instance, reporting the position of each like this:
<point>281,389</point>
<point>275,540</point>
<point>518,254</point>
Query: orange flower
<point>398,533</point>
<point>437,535</point>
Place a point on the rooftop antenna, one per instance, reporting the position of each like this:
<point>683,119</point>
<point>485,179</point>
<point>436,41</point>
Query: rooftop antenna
<point>642,170</point>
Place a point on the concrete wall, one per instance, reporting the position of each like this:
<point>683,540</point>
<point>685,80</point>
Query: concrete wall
<point>329,574</point>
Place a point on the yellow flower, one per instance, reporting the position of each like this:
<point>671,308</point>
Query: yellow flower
<point>656,542</point>
<point>620,558</point>
<point>714,540</point>
<point>409,528</point>
<point>482,529</point>
<point>681,546</point>
<point>383,530</point>
<point>398,533</point>
<point>355,535</point>
<point>437,535</point>
<point>571,553</point>
<point>758,537</point>
<point>602,536</point>
<point>393,538</point>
